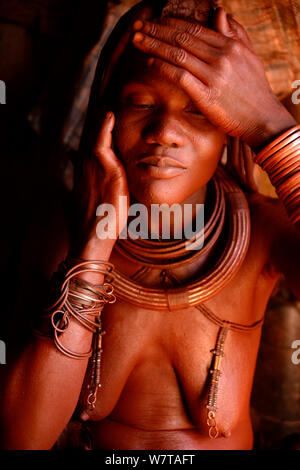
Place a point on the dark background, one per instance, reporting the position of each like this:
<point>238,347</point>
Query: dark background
<point>48,51</point>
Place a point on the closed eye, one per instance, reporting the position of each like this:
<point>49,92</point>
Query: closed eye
<point>143,106</point>
<point>194,111</point>
<point>196,114</point>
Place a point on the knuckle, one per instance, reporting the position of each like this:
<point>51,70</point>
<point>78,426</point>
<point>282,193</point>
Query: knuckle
<point>195,29</point>
<point>183,77</point>
<point>228,44</point>
<point>152,29</point>
<point>223,62</point>
<point>233,47</point>
<point>178,56</point>
<point>209,96</point>
<point>182,38</point>
<point>237,47</point>
<point>152,43</point>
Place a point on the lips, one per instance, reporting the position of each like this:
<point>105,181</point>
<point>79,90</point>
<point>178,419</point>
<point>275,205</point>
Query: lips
<point>160,167</point>
<point>162,162</point>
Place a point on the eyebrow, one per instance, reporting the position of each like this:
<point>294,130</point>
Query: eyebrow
<point>136,86</point>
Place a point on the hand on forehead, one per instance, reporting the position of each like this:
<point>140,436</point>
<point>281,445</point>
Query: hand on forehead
<point>216,67</point>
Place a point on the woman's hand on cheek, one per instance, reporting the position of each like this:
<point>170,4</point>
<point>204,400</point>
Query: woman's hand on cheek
<point>220,72</point>
<point>114,184</point>
<point>102,183</point>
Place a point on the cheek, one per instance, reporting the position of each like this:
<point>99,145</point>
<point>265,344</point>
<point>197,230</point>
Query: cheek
<point>208,148</point>
<point>126,136</point>
<point>119,133</point>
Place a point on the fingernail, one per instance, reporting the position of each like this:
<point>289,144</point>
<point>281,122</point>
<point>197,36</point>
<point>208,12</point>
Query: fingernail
<point>108,115</point>
<point>138,25</point>
<point>138,37</point>
<point>150,62</point>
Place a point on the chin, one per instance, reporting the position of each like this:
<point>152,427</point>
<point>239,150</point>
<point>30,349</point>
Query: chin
<point>157,192</point>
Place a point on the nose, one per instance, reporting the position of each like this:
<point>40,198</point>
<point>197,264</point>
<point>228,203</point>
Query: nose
<point>165,130</point>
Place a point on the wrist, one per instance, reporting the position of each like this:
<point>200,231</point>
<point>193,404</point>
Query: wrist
<point>94,249</point>
<point>97,249</point>
<point>280,160</point>
<point>277,122</point>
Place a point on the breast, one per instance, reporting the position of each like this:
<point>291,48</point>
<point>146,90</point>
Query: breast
<point>193,363</point>
<point>156,366</point>
<point>152,394</point>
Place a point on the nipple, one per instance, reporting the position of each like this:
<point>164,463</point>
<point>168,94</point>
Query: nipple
<point>84,416</point>
<point>226,433</point>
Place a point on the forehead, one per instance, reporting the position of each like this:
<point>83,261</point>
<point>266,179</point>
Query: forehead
<point>138,75</point>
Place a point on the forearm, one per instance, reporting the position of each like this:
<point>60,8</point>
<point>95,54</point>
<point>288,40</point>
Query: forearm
<point>41,393</point>
<point>277,148</point>
<point>42,387</point>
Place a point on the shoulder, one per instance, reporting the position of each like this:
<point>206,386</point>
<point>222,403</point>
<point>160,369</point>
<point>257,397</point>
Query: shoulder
<point>270,217</point>
<point>268,214</point>
<point>264,229</point>
<point>260,204</point>
<point>272,228</point>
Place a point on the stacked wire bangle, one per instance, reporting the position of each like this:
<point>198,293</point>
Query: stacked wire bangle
<point>281,160</point>
<point>82,301</point>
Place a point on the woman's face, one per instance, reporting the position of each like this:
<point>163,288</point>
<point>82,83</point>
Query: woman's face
<point>169,149</point>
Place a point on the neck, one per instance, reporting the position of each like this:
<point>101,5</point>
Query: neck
<point>156,224</point>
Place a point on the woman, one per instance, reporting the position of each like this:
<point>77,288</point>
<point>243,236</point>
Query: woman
<point>182,337</point>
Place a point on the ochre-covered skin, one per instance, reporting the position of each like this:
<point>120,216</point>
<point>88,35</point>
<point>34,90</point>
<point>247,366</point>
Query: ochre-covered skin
<point>155,364</point>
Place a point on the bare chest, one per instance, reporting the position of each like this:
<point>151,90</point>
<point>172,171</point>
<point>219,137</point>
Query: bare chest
<point>155,365</point>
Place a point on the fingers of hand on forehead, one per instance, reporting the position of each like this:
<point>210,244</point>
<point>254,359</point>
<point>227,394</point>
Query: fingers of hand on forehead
<point>184,41</point>
<point>240,32</point>
<point>173,30</point>
<point>177,56</point>
<point>195,55</point>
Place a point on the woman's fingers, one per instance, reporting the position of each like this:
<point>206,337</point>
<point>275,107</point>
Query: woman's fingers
<point>105,137</point>
<point>103,150</point>
<point>240,32</point>
<point>197,30</point>
<point>174,55</point>
<point>221,23</point>
<point>230,28</point>
<point>166,34</point>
